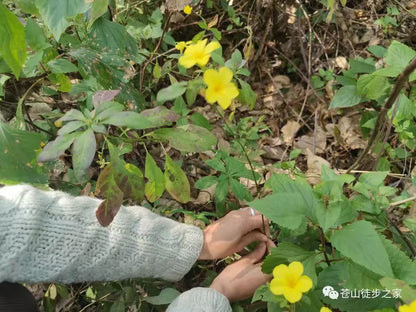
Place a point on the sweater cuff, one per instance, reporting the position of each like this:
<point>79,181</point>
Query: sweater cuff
<point>200,300</point>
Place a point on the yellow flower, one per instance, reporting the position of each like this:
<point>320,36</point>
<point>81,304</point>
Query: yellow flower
<point>58,123</point>
<point>220,88</point>
<point>187,10</point>
<point>180,46</point>
<point>289,281</point>
<point>325,309</point>
<point>408,308</point>
<point>198,53</point>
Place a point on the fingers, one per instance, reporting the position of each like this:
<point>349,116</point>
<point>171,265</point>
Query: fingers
<point>256,223</point>
<point>256,255</point>
<point>254,236</point>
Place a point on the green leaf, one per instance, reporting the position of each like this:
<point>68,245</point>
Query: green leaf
<point>239,190</point>
<point>56,12</point>
<point>187,138</point>
<point>192,90</point>
<point>403,268</point>
<point>399,55</point>
<point>247,96</point>
<point>118,306</point>
<point>377,50</point>
<point>410,224</point>
<point>83,151</point>
<point>346,96</point>
<point>408,294</point>
<point>328,215</point>
<point>177,183</point>
<point>166,296</point>
<point>111,36</point>
<point>99,8</point>
<point>13,44</point>
<point>18,153</point>
<point>108,188</point>
<point>372,87</point>
<point>362,66</point>
<point>130,181</point>
<point>172,92</point>
<point>28,6</point>
<point>155,185</point>
<point>361,243</point>
<point>62,66</point>
<point>55,148</point>
<point>35,36</point>
<point>130,120</point>
<point>284,209</point>
<point>284,253</point>
<point>206,182</point>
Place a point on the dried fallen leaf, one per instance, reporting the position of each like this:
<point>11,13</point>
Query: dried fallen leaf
<point>351,133</point>
<point>289,131</point>
<point>177,5</point>
<point>314,163</point>
<point>341,62</point>
<point>307,141</point>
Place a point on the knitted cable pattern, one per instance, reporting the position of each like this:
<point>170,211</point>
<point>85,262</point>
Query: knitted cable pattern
<point>54,237</point>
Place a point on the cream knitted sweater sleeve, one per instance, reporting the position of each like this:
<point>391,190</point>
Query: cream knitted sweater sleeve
<point>54,237</point>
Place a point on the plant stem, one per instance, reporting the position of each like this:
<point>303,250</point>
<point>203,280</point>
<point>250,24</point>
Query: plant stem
<point>292,307</point>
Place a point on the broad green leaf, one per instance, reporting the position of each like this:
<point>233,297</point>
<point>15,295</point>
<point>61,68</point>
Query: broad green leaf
<point>155,185</point>
<point>111,70</point>
<point>372,87</point>
<point>239,190</point>
<point>199,120</point>
<point>377,50</point>
<point>62,66</point>
<point>192,90</point>
<point>166,296</point>
<point>399,55</point>
<point>328,215</point>
<point>35,36</point>
<point>347,96</point>
<point>108,189</point>
<point>160,116</point>
<point>206,182</point>
<point>130,120</point>
<point>128,177</point>
<point>188,138</point>
<point>341,275</point>
<point>221,192</point>
<point>99,8</point>
<point>172,92</point>
<point>408,294</point>
<point>71,126</point>
<point>109,36</point>
<point>132,183</point>
<point>361,243</point>
<point>362,66</point>
<point>72,114</point>
<point>403,268</point>
<point>247,96</point>
<point>13,44</point>
<point>3,79</point>
<point>61,82</point>
<point>56,147</point>
<point>55,13</point>
<point>118,306</point>
<point>284,253</point>
<point>177,183</point>
<point>102,96</point>
<point>28,6</point>
<point>410,223</point>
<point>18,153</point>
<point>83,151</point>
<point>284,209</point>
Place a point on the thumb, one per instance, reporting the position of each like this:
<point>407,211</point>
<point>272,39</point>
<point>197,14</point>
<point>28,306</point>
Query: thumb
<point>256,255</point>
<point>253,236</point>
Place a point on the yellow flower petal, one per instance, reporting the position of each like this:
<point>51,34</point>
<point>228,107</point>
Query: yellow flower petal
<point>180,46</point>
<point>187,10</point>
<point>224,102</point>
<point>280,271</point>
<point>232,90</point>
<point>186,61</point>
<point>226,74</point>
<point>304,284</point>
<point>203,60</point>
<point>210,96</point>
<point>212,46</point>
<point>210,76</point>
<point>296,269</point>
<point>408,308</point>
<point>325,309</point>
<point>277,287</point>
<point>292,295</point>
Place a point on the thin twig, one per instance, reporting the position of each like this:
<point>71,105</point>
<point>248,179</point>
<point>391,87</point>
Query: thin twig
<point>403,77</point>
<point>406,200</point>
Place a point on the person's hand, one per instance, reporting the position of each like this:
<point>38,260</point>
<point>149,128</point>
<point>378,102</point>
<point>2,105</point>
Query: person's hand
<point>239,280</point>
<point>232,233</point>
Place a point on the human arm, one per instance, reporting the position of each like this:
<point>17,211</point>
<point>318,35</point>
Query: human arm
<point>54,237</point>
